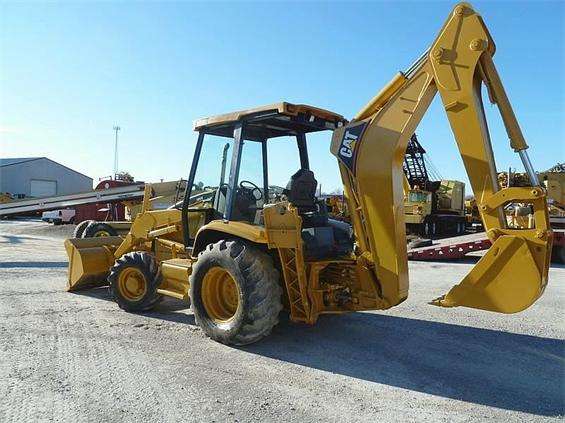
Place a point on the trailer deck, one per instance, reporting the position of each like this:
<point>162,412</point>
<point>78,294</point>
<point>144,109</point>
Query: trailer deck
<point>458,247</point>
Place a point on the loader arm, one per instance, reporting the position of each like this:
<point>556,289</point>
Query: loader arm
<point>370,151</point>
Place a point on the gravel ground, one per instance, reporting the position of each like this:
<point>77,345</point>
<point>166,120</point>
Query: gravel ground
<point>77,357</point>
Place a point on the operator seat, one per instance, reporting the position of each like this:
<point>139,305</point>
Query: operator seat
<point>301,190</point>
<point>323,237</point>
<point>301,193</point>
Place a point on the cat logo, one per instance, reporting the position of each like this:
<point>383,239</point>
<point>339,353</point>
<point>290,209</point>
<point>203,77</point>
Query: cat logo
<point>348,145</point>
<point>349,142</point>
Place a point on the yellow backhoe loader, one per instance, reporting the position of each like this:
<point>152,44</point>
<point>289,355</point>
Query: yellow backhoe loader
<point>246,255</point>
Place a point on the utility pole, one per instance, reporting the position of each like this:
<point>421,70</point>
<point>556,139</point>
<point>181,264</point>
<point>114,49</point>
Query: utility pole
<point>116,129</point>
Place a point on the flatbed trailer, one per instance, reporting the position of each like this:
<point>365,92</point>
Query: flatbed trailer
<point>458,247</point>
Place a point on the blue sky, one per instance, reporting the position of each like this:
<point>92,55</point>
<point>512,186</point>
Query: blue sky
<point>70,71</point>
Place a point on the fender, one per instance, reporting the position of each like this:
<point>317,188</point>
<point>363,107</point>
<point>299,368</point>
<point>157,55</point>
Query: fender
<point>216,230</point>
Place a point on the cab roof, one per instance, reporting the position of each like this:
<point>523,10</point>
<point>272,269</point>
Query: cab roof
<point>270,121</point>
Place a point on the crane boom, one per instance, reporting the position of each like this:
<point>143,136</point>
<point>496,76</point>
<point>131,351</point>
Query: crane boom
<point>370,152</point>
<point>414,164</point>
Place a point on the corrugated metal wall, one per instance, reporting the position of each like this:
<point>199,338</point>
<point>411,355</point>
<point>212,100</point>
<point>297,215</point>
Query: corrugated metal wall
<point>17,178</point>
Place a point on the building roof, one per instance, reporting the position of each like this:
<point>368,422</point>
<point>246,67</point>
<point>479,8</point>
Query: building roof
<point>273,120</point>
<point>9,161</point>
<point>14,160</point>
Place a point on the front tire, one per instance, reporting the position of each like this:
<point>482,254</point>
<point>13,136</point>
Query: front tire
<point>98,229</point>
<point>235,292</point>
<point>134,280</point>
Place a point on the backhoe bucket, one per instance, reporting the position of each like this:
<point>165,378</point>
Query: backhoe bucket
<point>90,260</point>
<point>509,278</point>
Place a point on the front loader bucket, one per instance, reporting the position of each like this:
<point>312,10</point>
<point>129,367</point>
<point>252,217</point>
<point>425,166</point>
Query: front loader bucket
<point>509,278</point>
<point>90,260</point>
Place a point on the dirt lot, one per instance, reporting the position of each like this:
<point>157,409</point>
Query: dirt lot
<point>77,357</point>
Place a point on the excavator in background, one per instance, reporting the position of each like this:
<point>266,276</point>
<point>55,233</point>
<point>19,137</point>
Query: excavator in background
<point>245,256</point>
<point>431,208</point>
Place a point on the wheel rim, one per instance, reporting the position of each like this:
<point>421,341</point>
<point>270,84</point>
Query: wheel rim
<point>220,295</point>
<point>101,233</point>
<point>132,284</point>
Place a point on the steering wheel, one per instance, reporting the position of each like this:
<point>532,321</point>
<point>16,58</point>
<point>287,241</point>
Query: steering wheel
<point>253,188</point>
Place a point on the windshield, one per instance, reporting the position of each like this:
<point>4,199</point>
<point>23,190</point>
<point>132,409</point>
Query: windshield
<point>417,196</point>
<point>213,165</point>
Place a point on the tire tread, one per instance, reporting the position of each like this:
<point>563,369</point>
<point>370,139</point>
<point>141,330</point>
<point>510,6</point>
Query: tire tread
<point>263,290</point>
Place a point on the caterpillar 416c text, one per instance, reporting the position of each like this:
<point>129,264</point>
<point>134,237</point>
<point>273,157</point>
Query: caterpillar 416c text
<point>248,253</point>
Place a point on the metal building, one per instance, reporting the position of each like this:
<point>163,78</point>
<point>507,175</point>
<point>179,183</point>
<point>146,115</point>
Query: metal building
<point>40,177</point>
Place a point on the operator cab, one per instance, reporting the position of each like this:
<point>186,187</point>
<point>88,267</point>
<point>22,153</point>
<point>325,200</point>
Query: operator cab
<point>238,188</point>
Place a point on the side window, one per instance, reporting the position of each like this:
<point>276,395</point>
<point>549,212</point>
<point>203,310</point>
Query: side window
<point>323,163</point>
<point>283,160</point>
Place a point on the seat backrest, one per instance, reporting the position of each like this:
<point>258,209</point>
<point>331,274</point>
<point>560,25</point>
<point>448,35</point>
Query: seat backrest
<point>301,189</point>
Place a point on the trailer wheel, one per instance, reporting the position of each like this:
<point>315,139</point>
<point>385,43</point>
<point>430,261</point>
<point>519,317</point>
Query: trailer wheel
<point>134,280</point>
<point>235,292</point>
<point>429,229</point>
<point>98,229</point>
<point>79,229</point>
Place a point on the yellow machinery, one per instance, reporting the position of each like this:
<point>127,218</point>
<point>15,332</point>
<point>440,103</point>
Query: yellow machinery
<point>437,212</point>
<point>163,195</point>
<point>243,258</point>
<point>554,182</point>
<point>520,215</point>
<point>555,186</point>
<point>337,207</point>
<point>431,208</point>
<point>5,197</point>
<point>472,215</point>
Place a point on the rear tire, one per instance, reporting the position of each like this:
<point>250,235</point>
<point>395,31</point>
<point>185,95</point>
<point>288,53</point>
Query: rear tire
<point>134,280</point>
<point>98,229</point>
<point>258,293</point>
<point>79,229</point>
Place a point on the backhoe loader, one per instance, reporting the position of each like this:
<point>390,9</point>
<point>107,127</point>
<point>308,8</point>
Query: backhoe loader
<point>245,255</point>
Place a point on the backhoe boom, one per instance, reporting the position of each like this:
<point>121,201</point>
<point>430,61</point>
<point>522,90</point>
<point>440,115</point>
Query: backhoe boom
<point>371,148</point>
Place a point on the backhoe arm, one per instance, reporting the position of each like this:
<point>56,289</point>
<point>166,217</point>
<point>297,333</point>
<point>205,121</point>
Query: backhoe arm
<point>370,151</point>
